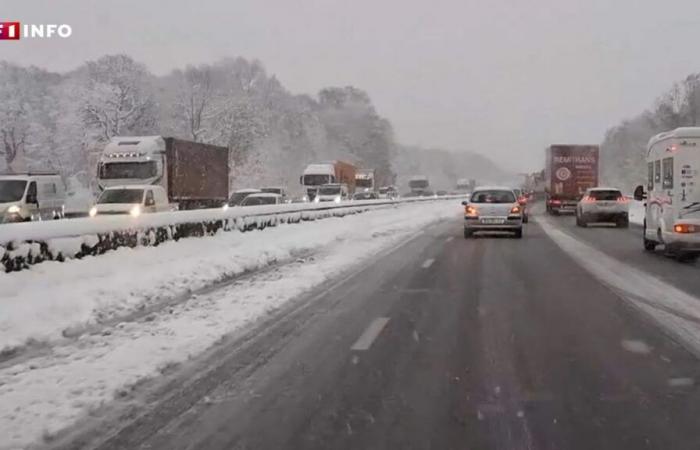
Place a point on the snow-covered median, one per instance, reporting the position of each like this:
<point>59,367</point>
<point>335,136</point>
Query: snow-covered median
<point>49,392</point>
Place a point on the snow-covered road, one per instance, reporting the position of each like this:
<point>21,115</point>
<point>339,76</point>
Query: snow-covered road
<point>53,302</point>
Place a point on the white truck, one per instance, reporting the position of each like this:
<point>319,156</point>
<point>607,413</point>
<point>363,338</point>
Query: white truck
<point>672,209</point>
<point>317,174</point>
<point>418,184</point>
<point>193,174</point>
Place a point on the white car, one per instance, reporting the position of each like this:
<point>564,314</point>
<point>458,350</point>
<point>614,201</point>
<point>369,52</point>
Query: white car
<point>333,192</point>
<point>133,200</point>
<point>493,209</point>
<point>603,204</point>
<point>240,195</point>
<point>263,198</point>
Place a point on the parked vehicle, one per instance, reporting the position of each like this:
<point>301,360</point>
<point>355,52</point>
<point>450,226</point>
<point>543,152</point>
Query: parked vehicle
<point>31,196</point>
<point>332,192</point>
<point>365,196</point>
<point>238,196</point>
<point>364,180</point>
<point>492,209</point>
<point>603,204</point>
<point>132,199</point>
<point>279,190</point>
<point>569,171</point>
<point>193,174</point>
<point>388,192</point>
<point>418,184</point>
<point>334,172</point>
<point>672,211</point>
<point>263,198</point>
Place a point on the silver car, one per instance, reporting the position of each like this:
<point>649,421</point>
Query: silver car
<point>493,209</point>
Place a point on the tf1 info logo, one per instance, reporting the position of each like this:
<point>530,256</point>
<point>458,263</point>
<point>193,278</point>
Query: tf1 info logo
<point>13,31</point>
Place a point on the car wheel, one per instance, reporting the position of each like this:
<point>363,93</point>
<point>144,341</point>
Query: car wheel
<point>525,219</point>
<point>518,233</point>
<point>468,233</point>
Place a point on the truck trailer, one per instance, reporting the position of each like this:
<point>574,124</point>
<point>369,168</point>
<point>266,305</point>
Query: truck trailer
<point>569,171</point>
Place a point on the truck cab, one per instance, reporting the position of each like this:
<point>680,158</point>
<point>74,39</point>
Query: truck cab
<point>132,160</point>
<point>31,196</point>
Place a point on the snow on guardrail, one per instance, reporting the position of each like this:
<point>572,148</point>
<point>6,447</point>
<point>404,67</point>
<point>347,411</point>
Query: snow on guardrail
<point>24,244</point>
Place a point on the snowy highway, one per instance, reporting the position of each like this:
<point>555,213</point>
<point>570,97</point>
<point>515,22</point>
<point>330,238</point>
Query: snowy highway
<point>568,338</point>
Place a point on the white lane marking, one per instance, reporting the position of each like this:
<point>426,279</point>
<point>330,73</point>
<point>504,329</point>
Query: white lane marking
<point>674,310</point>
<point>449,239</point>
<point>367,338</point>
<point>428,263</point>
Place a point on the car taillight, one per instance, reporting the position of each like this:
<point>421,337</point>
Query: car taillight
<point>470,211</point>
<point>622,199</point>
<point>685,228</point>
<point>588,199</point>
<point>515,210</point>
<point>555,202</point>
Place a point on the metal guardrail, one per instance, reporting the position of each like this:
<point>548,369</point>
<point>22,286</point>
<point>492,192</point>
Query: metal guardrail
<point>25,244</point>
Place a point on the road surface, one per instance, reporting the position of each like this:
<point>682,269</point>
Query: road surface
<point>447,343</point>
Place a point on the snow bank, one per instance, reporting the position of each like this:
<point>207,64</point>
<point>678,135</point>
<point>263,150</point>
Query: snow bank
<point>50,392</point>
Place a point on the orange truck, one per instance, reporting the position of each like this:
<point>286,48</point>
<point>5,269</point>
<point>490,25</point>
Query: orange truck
<point>318,174</point>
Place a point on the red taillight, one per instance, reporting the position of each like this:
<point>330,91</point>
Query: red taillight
<point>622,200</point>
<point>685,228</point>
<point>555,202</point>
<point>588,199</point>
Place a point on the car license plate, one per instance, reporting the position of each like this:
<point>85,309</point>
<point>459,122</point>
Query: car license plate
<point>492,221</point>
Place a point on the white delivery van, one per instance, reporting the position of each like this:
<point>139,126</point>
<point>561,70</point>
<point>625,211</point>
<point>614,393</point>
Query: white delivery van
<point>132,199</point>
<point>31,196</point>
<point>672,208</point>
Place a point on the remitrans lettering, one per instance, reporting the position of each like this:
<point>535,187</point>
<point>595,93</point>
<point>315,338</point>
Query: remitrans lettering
<point>575,159</point>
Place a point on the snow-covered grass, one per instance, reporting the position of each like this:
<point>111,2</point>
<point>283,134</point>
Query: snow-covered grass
<point>51,391</point>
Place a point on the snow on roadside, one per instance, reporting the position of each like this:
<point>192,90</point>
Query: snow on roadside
<point>51,392</point>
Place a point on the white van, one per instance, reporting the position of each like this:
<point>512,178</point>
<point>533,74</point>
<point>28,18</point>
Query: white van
<point>133,200</point>
<point>31,196</point>
<point>672,209</point>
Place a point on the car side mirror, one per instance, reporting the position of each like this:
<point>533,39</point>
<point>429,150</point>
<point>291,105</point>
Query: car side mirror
<point>150,202</point>
<point>465,202</point>
<point>639,193</point>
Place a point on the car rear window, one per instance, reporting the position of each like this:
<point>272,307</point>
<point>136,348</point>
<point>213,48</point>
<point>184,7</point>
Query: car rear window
<point>493,196</point>
<point>605,195</point>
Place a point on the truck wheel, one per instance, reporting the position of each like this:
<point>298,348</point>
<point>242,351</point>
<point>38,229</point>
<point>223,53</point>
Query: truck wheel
<point>649,246</point>
<point>467,233</point>
<point>519,233</point>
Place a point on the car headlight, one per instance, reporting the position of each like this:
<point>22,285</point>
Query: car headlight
<point>337,199</point>
<point>93,211</point>
<point>317,199</point>
<point>135,211</point>
<point>225,207</point>
<point>14,209</point>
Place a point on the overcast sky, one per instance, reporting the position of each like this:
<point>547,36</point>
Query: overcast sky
<point>500,77</point>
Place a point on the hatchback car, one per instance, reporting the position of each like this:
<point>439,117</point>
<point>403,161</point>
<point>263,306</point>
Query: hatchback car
<point>262,198</point>
<point>493,209</point>
<point>602,204</point>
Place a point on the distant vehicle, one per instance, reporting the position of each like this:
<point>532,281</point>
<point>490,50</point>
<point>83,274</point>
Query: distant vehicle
<point>418,183</point>
<point>263,198</point>
<point>240,195</point>
<point>441,193</point>
<point>465,185</point>
<point>334,172</point>
<point>672,211</point>
<point>569,171</point>
<point>133,200</point>
<point>522,200</point>
<point>388,192</point>
<point>279,190</point>
<point>364,180</point>
<point>365,196</point>
<point>492,209</point>
<point>332,192</point>
<point>601,204</point>
<point>31,196</point>
<point>193,174</point>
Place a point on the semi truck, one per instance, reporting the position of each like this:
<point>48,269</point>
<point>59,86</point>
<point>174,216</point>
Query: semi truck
<point>569,171</point>
<point>418,184</point>
<point>317,174</point>
<point>193,174</point>
<point>365,180</point>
